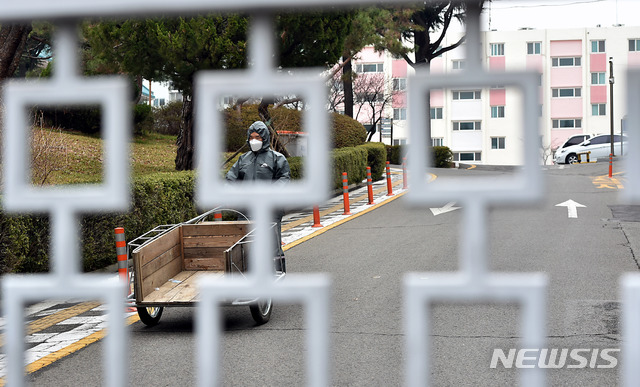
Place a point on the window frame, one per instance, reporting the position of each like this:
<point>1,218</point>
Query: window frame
<point>399,84</point>
<point>557,61</point>
<point>360,67</point>
<point>436,113</point>
<point>497,49</point>
<point>600,46</point>
<point>457,127</point>
<point>555,123</point>
<point>601,109</point>
<point>576,92</point>
<point>477,156</point>
<point>636,45</point>
<point>601,78</point>
<point>399,113</point>
<point>498,143</point>
<point>497,111</point>
<point>532,47</point>
<point>477,95</point>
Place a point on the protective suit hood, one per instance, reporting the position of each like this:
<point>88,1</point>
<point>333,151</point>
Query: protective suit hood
<point>260,128</point>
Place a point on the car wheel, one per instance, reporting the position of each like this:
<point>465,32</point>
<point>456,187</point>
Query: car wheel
<point>572,159</point>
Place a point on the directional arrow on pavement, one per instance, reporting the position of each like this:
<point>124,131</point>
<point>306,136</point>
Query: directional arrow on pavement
<point>447,208</point>
<point>572,207</point>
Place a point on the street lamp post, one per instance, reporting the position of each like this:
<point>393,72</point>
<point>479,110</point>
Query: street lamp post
<point>611,82</point>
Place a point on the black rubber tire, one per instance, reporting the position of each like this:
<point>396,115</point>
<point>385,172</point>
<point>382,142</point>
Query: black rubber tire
<point>572,158</point>
<point>261,311</point>
<point>150,316</point>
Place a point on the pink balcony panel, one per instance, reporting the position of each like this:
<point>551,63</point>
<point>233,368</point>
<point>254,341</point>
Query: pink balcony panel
<point>634,60</point>
<point>599,94</point>
<point>598,63</point>
<point>399,100</point>
<point>399,68</point>
<point>498,97</point>
<point>566,108</point>
<point>497,63</point>
<point>436,66</point>
<point>437,98</point>
<point>566,48</point>
<point>369,55</point>
<point>534,63</point>
<point>566,77</point>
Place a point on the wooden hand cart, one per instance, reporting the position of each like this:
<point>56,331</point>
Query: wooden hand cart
<point>168,260</point>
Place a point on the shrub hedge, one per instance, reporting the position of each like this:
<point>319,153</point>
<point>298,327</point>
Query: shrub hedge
<point>162,198</point>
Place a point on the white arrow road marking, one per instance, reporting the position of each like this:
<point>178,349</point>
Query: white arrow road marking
<point>572,207</point>
<point>447,208</point>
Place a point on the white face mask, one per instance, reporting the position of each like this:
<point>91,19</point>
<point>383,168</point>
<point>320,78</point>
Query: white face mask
<point>255,145</point>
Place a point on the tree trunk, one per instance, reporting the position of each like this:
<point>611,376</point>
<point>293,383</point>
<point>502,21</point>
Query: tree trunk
<point>13,38</point>
<point>347,82</point>
<point>184,156</point>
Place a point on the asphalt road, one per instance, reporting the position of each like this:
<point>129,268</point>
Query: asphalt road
<point>367,258</point>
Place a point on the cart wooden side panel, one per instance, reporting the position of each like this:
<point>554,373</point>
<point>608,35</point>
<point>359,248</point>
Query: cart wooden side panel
<point>156,262</point>
<point>167,269</point>
<point>204,244</point>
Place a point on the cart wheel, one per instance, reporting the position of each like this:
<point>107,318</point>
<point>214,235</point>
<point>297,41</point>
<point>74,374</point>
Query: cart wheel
<point>281,264</point>
<point>150,316</point>
<point>261,311</point>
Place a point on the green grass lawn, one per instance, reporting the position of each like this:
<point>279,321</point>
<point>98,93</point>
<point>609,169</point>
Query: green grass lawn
<point>75,158</point>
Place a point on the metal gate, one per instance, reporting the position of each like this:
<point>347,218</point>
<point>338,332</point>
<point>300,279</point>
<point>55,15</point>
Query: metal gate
<point>472,283</point>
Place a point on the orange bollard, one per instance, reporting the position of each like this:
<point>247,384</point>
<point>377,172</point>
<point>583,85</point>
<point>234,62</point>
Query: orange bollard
<point>389,187</point>
<point>316,217</point>
<point>610,165</point>
<point>345,193</point>
<point>369,185</point>
<point>121,254</point>
<point>217,216</point>
<point>405,182</point>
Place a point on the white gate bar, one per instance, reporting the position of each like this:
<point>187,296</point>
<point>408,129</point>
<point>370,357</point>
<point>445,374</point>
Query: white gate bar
<point>311,290</point>
<point>631,193</point>
<point>422,289</point>
<point>630,324</point>
<point>18,290</point>
<point>526,185</point>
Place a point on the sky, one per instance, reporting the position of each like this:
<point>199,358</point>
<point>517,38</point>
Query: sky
<point>551,14</point>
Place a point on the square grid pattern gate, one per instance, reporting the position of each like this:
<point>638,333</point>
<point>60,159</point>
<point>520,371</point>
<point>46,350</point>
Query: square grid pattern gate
<point>472,283</point>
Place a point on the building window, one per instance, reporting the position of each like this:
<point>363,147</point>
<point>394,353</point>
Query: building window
<point>399,84</point>
<point>567,123</point>
<point>467,156</point>
<point>400,114</point>
<point>497,111</point>
<point>458,64</point>
<point>598,79</point>
<point>497,49</point>
<point>436,113</point>
<point>467,125</point>
<point>599,109</point>
<point>566,62</point>
<point>566,93</point>
<point>497,142</point>
<point>533,48</point>
<point>437,141</point>
<point>473,94</point>
<point>634,44</point>
<point>369,67</point>
<point>597,46</point>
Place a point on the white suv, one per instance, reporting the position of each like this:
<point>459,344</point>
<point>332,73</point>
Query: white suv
<point>599,146</point>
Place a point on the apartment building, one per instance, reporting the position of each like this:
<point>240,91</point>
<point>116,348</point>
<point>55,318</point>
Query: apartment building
<point>483,126</point>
